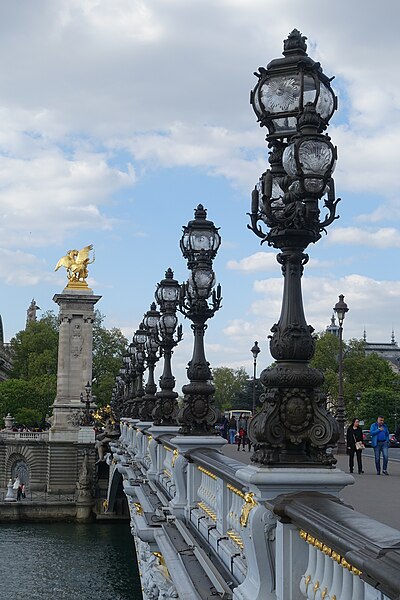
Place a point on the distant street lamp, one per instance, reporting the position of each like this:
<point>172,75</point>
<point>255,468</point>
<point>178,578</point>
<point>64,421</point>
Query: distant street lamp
<point>139,341</point>
<point>396,384</point>
<point>255,352</point>
<point>341,309</point>
<point>169,335</point>
<point>87,402</point>
<point>150,321</point>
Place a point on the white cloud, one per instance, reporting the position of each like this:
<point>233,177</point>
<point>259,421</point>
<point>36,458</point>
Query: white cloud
<point>385,237</point>
<point>372,305</point>
<point>266,261</point>
<point>21,268</point>
<point>43,197</point>
<point>260,261</point>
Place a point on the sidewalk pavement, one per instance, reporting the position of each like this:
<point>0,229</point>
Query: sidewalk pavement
<point>377,497</point>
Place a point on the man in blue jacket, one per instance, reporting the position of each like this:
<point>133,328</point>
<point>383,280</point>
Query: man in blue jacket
<point>380,444</point>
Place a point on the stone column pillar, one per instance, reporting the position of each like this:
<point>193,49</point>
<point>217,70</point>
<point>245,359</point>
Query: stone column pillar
<point>74,359</point>
<point>74,371</point>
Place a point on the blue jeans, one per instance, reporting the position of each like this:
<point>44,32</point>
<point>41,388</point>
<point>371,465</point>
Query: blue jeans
<point>232,433</point>
<point>381,447</point>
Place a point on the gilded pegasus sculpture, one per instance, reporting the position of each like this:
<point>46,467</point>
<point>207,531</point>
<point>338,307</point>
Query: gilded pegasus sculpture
<point>76,263</point>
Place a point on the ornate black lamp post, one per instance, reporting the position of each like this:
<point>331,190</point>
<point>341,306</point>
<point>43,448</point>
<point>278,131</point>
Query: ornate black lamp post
<point>117,398</point>
<point>341,309</point>
<point>255,352</point>
<point>150,321</point>
<point>87,400</point>
<point>199,244</point>
<point>138,363</point>
<point>167,297</point>
<point>294,100</point>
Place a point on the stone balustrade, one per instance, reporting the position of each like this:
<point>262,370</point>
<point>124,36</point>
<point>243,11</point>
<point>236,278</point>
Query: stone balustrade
<point>40,436</point>
<point>207,522</point>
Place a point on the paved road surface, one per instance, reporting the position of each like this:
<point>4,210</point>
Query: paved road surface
<point>377,497</point>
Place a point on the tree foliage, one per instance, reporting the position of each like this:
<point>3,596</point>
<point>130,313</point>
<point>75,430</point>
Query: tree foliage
<point>108,348</point>
<point>231,387</point>
<point>27,401</point>
<point>28,396</point>
<point>379,401</point>
<point>368,377</point>
<point>35,348</point>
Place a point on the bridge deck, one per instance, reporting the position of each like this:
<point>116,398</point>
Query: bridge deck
<point>377,497</point>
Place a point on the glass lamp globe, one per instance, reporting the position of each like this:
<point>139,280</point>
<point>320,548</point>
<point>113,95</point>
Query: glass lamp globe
<point>168,323</point>
<point>151,318</point>
<point>310,158</point>
<point>151,344</point>
<point>287,85</point>
<point>341,309</point>
<point>200,236</point>
<point>168,289</point>
<point>311,161</point>
<point>140,357</point>
<point>201,282</point>
<point>140,335</point>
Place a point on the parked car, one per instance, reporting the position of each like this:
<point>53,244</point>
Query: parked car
<point>394,442</point>
<point>366,437</point>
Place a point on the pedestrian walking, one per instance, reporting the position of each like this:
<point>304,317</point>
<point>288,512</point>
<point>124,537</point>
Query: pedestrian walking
<point>232,430</point>
<point>248,441</point>
<point>19,492</point>
<point>380,443</point>
<point>242,423</point>
<point>354,440</point>
<point>242,429</point>
<point>242,438</point>
<point>16,485</point>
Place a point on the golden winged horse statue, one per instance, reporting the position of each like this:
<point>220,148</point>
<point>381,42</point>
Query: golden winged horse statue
<point>76,262</point>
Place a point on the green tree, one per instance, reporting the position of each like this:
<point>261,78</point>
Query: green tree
<point>231,387</point>
<point>27,401</point>
<point>34,383</point>
<point>35,348</point>
<point>28,417</point>
<point>363,376</point>
<point>380,401</point>
<point>326,360</point>
<point>109,346</point>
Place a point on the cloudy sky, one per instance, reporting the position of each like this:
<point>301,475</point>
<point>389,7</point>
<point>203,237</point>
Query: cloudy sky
<point>118,118</point>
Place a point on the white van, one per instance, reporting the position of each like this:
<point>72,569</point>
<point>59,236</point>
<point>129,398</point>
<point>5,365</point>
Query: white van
<point>236,413</point>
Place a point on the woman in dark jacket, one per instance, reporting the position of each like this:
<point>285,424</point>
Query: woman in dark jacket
<point>354,434</point>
